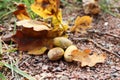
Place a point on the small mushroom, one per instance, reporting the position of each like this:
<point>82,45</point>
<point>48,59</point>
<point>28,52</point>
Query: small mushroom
<point>68,51</point>
<point>62,42</point>
<point>55,53</point>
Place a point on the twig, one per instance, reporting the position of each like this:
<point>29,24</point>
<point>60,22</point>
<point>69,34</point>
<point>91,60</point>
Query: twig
<point>24,61</point>
<point>103,33</point>
<point>5,44</point>
<point>98,45</point>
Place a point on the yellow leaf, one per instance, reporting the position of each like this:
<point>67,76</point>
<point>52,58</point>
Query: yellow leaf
<point>88,59</point>
<point>45,8</point>
<point>57,22</point>
<point>57,19</point>
<point>38,51</point>
<point>50,9</point>
<point>81,24</point>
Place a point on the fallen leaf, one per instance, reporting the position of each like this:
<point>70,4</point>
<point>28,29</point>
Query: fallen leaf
<point>58,24</point>
<point>30,42</point>
<point>45,8</point>
<point>50,9</point>
<point>91,6</point>
<point>57,19</point>
<point>81,24</point>
<point>34,35</point>
<point>38,51</point>
<point>88,59</point>
<point>21,12</point>
<point>36,25</point>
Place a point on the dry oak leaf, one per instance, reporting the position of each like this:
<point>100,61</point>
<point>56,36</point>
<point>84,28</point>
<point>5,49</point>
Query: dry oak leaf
<point>21,12</point>
<point>81,24</point>
<point>40,29</point>
<point>91,6</point>
<point>38,51</point>
<point>45,8</point>
<point>31,43</point>
<point>33,37</point>
<point>88,59</point>
<point>36,25</point>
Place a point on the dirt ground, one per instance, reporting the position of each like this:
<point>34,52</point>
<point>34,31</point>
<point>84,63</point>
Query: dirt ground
<point>42,68</point>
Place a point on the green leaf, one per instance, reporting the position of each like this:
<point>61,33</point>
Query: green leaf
<point>2,77</point>
<point>17,70</point>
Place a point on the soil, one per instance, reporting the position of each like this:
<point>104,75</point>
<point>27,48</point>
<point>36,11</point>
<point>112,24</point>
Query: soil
<point>42,68</point>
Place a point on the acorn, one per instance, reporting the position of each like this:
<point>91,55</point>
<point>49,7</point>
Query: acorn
<point>68,51</point>
<point>62,42</point>
<point>55,53</point>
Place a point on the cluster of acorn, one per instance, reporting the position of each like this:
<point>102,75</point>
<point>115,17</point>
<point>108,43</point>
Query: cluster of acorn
<point>64,47</point>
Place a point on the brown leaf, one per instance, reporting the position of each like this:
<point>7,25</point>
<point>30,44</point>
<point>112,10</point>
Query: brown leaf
<point>34,35</point>
<point>36,25</point>
<point>88,59</point>
<point>21,12</point>
<point>27,42</point>
<point>91,6</point>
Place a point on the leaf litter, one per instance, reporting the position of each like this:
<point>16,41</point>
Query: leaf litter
<point>65,71</point>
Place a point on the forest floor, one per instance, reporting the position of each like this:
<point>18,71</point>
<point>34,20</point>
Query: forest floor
<point>42,68</point>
